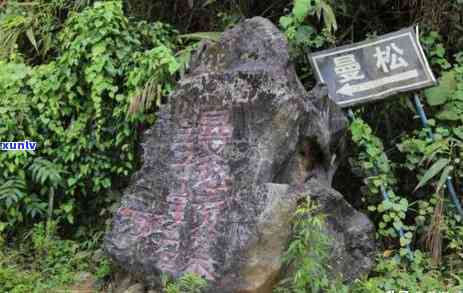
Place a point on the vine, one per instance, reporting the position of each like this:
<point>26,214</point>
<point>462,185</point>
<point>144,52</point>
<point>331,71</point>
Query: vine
<point>76,109</point>
<point>377,169</point>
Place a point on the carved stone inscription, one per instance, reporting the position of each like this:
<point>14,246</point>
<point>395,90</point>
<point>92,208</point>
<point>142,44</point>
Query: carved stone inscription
<point>199,191</point>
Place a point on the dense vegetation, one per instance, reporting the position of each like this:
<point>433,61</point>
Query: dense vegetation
<point>83,78</point>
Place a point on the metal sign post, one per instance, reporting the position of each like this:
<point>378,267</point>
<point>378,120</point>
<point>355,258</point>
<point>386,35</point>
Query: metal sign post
<point>424,124</point>
<point>376,69</point>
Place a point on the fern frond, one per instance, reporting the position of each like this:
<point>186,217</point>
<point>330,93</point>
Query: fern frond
<point>44,171</point>
<point>12,190</point>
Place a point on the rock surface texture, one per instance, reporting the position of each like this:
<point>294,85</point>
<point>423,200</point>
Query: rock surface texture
<point>237,146</point>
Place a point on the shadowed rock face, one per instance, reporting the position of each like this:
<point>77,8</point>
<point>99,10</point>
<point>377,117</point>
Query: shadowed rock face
<point>238,145</point>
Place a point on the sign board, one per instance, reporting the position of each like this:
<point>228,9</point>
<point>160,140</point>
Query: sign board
<point>373,69</point>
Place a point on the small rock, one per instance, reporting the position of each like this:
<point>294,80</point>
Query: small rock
<point>84,282</point>
<point>136,288</point>
<point>98,255</point>
<point>122,282</point>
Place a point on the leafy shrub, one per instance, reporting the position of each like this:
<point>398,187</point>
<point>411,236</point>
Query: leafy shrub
<point>390,274</point>
<point>434,159</point>
<point>75,108</point>
<point>45,263</point>
<point>435,49</point>
<point>378,172</point>
<point>307,255</point>
<point>303,35</point>
<point>188,283</point>
<point>29,31</point>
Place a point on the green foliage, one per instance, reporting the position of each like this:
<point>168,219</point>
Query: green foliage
<point>75,108</point>
<point>440,166</point>
<point>448,95</point>
<point>439,95</point>
<point>154,69</point>
<point>188,283</point>
<point>434,160</point>
<point>47,263</point>
<point>15,125</point>
<point>304,8</point>
<point>435,49</point>
<point>29,29</point>
<point>15,280</point>
<point>378,173</point>
<point>307,255</point>
<point>438,155</point>
<point>303,35</point>
<point>390,274</point>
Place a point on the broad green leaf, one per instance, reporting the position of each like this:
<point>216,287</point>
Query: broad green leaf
<point>435,96</point>
<point>458,131</point>
<point>458,95</point>
<point>286,21</point>
<point>403,204</point>
<point>433,171</point>
<point>301,9</point>
<point>439,95</point>
<point>386,218</point>
<point>387,204</point>
<point>405,241</point>
<point>450,114</point>
<point>303,33</point>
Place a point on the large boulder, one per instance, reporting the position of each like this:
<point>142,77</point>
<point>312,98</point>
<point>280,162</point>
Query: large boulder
<point>238,145</point>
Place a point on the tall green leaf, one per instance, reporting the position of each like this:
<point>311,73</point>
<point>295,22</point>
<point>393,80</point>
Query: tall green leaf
<point>443,177</point>
<point>329,18</point>
<point>433,171</point>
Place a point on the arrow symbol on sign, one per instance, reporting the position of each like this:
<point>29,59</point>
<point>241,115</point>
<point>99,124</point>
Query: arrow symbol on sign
<point>351,90</point>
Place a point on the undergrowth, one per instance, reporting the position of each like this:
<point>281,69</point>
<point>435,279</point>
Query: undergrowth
<point>42,262</point>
